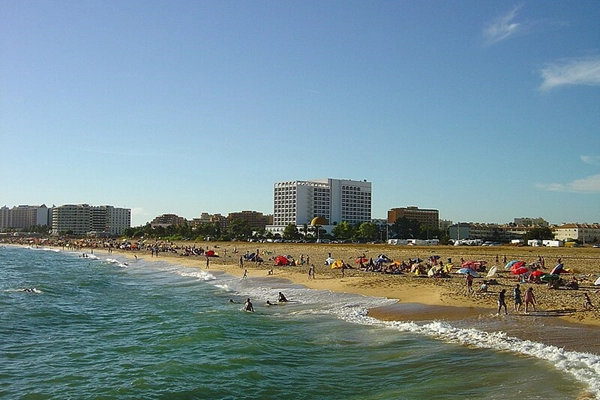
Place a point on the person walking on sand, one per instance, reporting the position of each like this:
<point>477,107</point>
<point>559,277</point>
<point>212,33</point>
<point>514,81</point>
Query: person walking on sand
<point>517,298</point>
<point>502,302</point>
<point>241,262</point>
<point>469,280</point>
<point>207,262</point>
<point>587,302</point>
<point>529,299</point>
<point>245,274</point>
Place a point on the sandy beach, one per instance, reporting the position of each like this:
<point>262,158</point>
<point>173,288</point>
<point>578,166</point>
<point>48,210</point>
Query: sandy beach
<point>445,298</point>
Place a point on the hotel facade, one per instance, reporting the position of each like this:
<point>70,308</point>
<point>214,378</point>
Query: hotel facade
<point>83,219</point>
<point>336,200</point>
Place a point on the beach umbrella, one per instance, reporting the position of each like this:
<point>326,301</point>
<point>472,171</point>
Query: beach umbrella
<point>469,271</point>
<point>281,260</point>
<point>519,271</point>
<point>337,264</point>
<point>570,270</point>
<point>364,260</point>
<point>549,277</point>
<point>510,264</point>
<point>329,261</point>
<point>492,272</point>
<point>557,270</point>
<point>537,272</point>
<point>597,282</point>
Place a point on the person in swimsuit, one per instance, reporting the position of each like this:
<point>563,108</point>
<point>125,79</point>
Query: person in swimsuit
<point>529,299</point>
<point>248,306</point>
<point>517,298</point>
<point>502,301</point>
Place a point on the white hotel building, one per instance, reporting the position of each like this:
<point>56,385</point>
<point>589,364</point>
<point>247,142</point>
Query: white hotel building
<point>83,219</point>
<point>337,200</point>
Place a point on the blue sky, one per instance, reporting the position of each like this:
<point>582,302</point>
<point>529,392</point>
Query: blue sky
<point>483,110</point>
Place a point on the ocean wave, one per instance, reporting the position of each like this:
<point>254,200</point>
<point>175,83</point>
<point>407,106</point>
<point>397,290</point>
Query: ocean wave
<point>584,367</point>
<point>201,275</point>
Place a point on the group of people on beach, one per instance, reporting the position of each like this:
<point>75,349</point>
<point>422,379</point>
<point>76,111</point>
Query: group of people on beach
<point>249,307</point>
<point>528,299</point>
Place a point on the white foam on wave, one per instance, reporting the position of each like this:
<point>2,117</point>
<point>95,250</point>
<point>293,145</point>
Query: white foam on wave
<point>116,262</point>
<point>585,367</point>
<point>54,250</point>
<point>201,275</point>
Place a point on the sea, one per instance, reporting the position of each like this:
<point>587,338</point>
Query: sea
<point>108,327</point>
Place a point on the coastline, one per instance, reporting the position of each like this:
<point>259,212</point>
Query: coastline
<point>420,300</point>
<point>446,299</point>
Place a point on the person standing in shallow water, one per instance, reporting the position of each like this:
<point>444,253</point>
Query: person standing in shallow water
<point>502,301</point>
<point>529,299</point>
<point>248,306</point>
<point>517,298</point>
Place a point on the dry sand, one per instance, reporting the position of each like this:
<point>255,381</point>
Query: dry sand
<point>446,297</point>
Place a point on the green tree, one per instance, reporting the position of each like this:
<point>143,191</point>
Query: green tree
<point>290,232</point>
<point>368,231</point>
<point>405,228</point>
<point>239,229</point>
<point>344,230</point>
<point>539,234</point>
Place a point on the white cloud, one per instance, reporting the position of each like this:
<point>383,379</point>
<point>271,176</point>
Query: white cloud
<point>571,72</point>
<point>502,28</point>
<point>593,160</point>
<point>591,184</point>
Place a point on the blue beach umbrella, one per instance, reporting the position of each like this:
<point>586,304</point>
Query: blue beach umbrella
<point>510,264</point>
<point>468,271</point>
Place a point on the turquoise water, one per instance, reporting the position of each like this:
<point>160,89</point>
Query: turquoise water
<point>104,327</point>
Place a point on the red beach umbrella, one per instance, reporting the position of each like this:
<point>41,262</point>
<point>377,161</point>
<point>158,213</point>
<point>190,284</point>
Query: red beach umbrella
<point>519,271</point>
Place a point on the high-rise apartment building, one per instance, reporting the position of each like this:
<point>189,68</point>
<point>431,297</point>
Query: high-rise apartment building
<point>24,216</point>
<point>336,200</point>
<point>82,219</point>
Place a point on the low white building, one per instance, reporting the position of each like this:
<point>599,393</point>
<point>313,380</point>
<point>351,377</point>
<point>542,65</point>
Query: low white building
<point>583,233</point>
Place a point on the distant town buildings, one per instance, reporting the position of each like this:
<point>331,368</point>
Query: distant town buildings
<point>425,217</point>
<point>24,216</point>
<point>83,219</point>
<point>256,220</point>
<point>297,203</point>
<point>584,233</point>
<point>165,220</point>
<point>536,222</point>
<point>336,200</point>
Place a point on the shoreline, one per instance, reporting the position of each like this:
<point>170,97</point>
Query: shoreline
<point>446,298</point>
<point>414,304</point>
<point>446,295</point>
